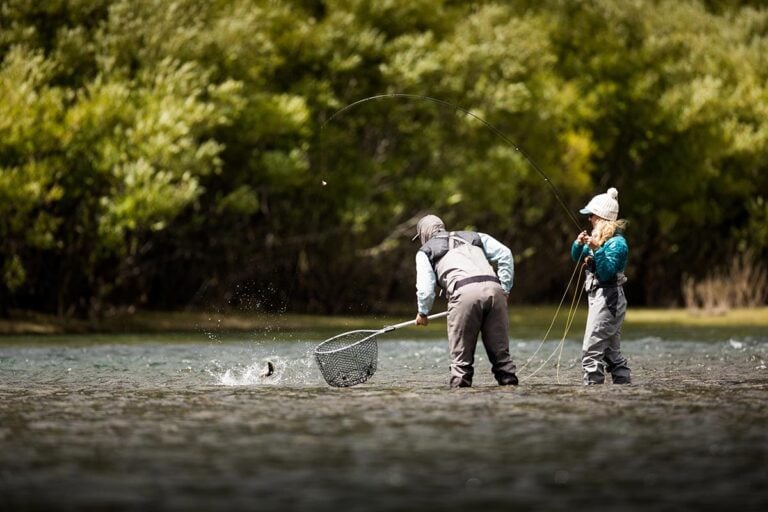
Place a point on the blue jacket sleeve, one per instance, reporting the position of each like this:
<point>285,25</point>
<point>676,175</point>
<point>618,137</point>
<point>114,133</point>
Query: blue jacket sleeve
<point>611,258</point>
<point>579,251</point>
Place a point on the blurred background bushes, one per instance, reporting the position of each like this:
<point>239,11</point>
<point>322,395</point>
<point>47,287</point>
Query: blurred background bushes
<point>168,155</point>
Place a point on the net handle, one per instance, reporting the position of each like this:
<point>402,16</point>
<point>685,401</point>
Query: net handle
<point>411,322</point>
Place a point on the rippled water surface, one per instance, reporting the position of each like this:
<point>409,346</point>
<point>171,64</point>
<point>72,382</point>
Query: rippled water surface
<point>186,423</point>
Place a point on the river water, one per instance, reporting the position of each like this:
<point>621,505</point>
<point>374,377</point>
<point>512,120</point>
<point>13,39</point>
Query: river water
<point>186,422</point>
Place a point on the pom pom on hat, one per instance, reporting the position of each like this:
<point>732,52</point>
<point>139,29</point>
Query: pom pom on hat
<point>605,205</point>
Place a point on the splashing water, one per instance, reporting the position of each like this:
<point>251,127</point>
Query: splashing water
<point>254,374</point>
<point>292,368</point>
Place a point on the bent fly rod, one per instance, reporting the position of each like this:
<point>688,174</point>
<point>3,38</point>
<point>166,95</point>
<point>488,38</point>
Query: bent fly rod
<point>488,125</point>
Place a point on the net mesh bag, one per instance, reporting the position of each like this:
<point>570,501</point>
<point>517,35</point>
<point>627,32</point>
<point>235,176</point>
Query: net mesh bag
<point>349,358</point>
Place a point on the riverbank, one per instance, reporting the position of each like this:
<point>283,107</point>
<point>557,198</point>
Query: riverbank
<point>529,317</point>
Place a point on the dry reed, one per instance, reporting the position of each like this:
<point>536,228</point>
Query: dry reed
<point>743,284</point>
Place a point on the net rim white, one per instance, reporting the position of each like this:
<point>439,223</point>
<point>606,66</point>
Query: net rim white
<point>318,349</point>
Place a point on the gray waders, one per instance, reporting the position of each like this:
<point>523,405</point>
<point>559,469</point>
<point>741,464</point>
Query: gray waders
<point>477,306</point>
<point>474,309</point>
<point>601,350</point>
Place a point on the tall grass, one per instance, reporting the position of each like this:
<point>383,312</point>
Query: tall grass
<point>742,284</point>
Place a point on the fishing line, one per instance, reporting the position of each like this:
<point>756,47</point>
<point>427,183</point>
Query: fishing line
<point>577,291</point>
<point>488,125</point>
<point>569,321</point>
<point>552,188</point>
<point>557,312</point>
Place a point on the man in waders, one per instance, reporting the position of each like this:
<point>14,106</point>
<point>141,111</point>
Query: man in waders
<point>460,263</point>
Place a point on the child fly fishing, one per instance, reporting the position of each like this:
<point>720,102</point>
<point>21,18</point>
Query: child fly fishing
<point>604,252</point>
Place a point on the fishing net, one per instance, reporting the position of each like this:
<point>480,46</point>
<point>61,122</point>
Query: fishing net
<point>349,358</point>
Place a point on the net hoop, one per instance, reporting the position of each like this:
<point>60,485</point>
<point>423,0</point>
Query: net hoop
<point>347,363</point>
<point>322,348</point>
<point>350,358</point>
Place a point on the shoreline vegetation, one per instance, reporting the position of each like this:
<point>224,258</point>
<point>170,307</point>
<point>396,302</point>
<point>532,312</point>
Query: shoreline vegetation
<point>177,155</point>
<point>25,323</point>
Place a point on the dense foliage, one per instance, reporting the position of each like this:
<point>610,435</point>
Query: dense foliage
<point>179,154</point>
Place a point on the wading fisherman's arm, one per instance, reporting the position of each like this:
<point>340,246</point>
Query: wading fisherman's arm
<point>425,287</point>
<point>501,255</point>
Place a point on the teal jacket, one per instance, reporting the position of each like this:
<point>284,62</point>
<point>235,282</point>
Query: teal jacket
<point>609,260</point>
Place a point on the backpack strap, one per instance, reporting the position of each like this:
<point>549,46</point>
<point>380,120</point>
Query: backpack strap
<point>452,239</point>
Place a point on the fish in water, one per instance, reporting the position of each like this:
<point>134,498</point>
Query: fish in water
<point>269,370</point>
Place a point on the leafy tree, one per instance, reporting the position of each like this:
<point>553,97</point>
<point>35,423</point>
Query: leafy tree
<point>183,154</point>
<point>109,160</point>
<point>670,86</point>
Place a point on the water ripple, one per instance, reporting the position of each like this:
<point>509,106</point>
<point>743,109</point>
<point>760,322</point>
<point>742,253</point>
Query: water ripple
<point>180,426</point>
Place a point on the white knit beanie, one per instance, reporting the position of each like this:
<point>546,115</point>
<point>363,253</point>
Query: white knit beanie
<point>604,205</point>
